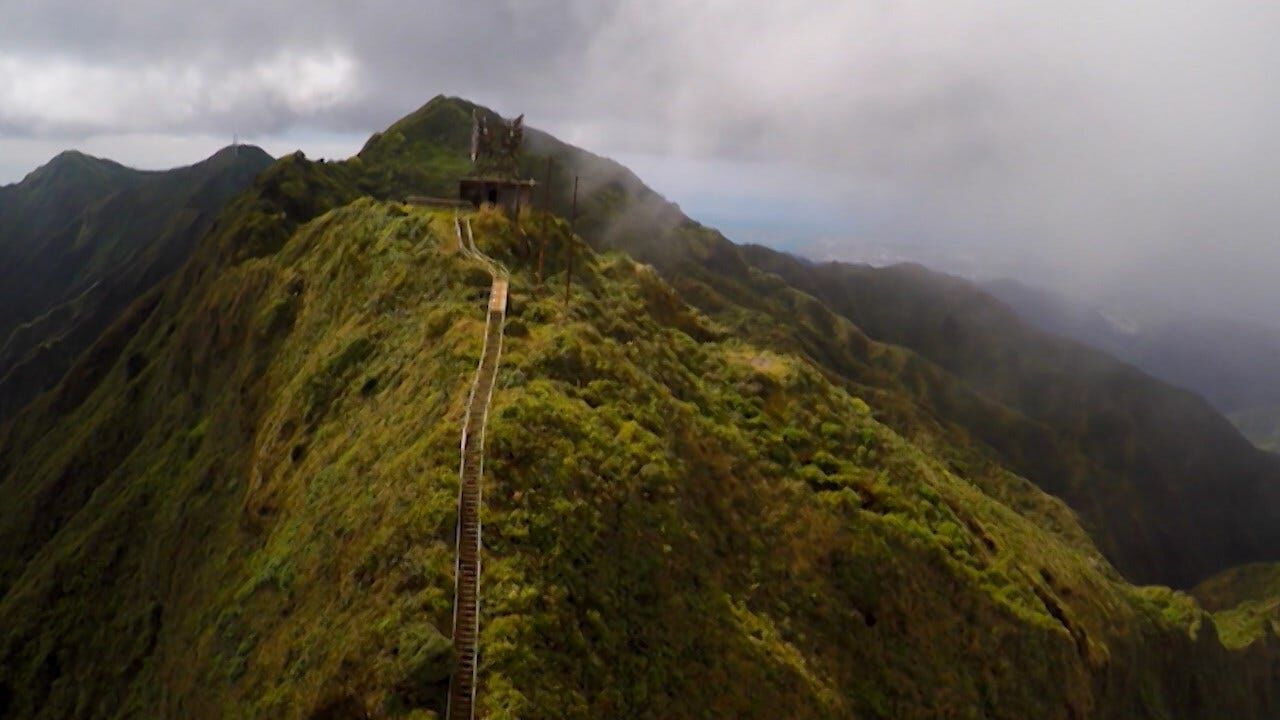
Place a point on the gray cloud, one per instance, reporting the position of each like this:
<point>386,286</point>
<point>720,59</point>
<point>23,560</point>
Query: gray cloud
<point>1119,149</point>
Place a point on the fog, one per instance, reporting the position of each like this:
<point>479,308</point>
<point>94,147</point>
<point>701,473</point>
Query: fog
<point>1125,152</point>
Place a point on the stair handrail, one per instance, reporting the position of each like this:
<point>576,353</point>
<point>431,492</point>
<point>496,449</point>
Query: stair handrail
<point>499,284</point>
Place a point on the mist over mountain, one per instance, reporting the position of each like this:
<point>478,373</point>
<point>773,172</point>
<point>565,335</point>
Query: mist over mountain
<point>1235,365</point>
<point>807,360</point>
<point>1112,149</point>
<point>1155,453</point>
<point>719,480</point>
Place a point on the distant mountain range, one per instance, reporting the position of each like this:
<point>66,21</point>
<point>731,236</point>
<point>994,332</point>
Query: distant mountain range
<point>1169,489</point>
<point>1234,365</point>
<point>81,238</point>
<point>720,481</point>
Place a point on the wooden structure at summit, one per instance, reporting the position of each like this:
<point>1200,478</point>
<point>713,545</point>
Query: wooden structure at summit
<point>495,168</point>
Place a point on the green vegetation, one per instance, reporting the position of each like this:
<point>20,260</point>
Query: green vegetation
<point>1169,489</point>
<point>240,502</point>
<point>1231,363</point>
<point>1166,486</point>
<point>1245,602</point>
<point>283,521</point>
<point>82,238</point>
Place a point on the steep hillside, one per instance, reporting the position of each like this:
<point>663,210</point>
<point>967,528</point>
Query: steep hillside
<point>1171,491</point>
<point>81,238</point>
<point>1245,602</point>
<point>1246,583</point>
<point>241,503</point>
<point>1234,365</point>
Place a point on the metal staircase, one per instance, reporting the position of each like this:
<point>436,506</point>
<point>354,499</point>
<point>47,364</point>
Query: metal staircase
<point>466,588</point>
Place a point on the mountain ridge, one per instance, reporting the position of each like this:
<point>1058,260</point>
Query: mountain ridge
<point>115,232</point>
<point>1232,364</point>
<point>1140,431</point>
<point>1133,457</point>
<point>240,500</point>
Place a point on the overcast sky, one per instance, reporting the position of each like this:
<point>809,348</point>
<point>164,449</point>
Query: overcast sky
<point>1119,149</point>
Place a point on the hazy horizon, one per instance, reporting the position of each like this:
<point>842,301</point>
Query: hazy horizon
<point>1122,154</point>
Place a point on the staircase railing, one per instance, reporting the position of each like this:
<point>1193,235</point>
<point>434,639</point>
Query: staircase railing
<point>466,583</point>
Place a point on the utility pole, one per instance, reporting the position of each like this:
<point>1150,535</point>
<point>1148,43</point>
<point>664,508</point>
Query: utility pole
<point>546,210</point>
<point>573,219</point>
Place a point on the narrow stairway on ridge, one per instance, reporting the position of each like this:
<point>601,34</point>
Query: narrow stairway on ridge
<point>710,492</point>
<point>466,601</point>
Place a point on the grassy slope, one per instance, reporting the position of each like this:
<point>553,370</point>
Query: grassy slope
<point>240,503</point>
<point>680,524</point>
<point>265,474</point>
<point>1170,489</point>
<point>39,207</point>
<point>1245,602</point>
<point>1235,366</point>
<point>82,238</point>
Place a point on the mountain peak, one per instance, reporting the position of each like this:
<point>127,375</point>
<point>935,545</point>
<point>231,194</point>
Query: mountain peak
<point>665,443</point>
<point>442,120</point>
<point>240,153</point>
<point>69,164</point>
<point>71,155</point>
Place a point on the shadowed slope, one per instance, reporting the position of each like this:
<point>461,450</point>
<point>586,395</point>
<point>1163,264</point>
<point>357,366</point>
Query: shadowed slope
<point>242,502</point>
<point>81,238</point>
<point>1171,491</point>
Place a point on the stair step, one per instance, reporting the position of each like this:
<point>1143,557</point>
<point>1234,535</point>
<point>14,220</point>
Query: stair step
<point>467,582</point>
